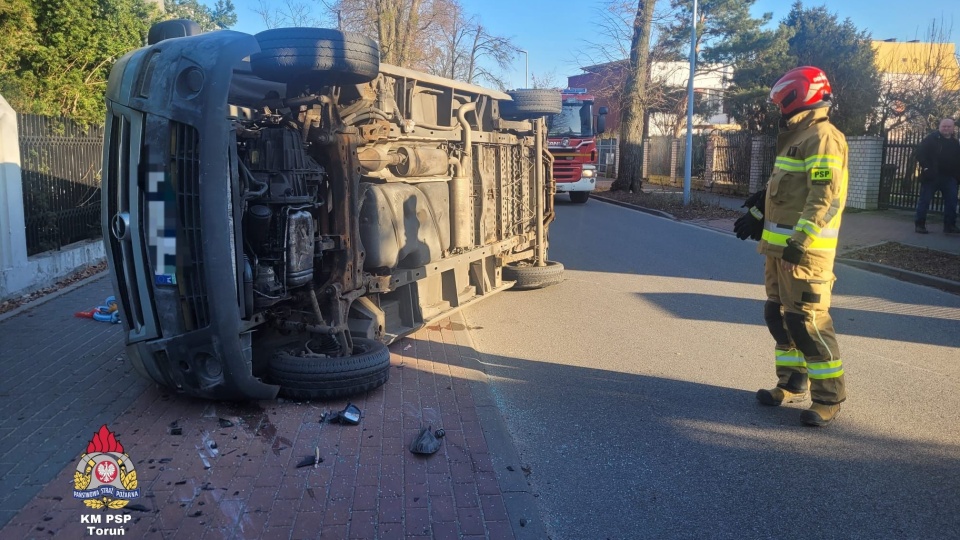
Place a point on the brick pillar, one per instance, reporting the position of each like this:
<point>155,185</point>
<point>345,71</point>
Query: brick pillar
<point>708,165</point>
<point>865,161</point>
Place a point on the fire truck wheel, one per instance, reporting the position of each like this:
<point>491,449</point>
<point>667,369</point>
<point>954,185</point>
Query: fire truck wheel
<point>529,103</point>
<point>315,57</point>
<point>579,197</point>
<point>529,277</point>
<point>318,378</point>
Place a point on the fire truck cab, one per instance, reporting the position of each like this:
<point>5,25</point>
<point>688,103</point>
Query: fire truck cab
<point>572,139</point>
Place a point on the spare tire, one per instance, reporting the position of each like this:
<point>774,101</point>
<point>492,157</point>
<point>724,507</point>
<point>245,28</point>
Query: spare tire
<point>529,277</point>
<point>311,377</point>
<point>315,57</point>
<point>529,103</point>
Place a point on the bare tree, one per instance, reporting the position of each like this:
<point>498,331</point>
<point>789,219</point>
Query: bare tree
<point>920,84</point>
<point>288,13</point>
<point>633,114</point>
<point>545,80</point>
<point>401,27</point>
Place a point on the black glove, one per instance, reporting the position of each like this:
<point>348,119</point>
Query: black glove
<point>758,200</point>
<point>750,225</point>
<point>792,253</point>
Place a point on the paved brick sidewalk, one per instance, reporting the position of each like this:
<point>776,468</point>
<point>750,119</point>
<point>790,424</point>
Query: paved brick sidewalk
<point>241,481</point>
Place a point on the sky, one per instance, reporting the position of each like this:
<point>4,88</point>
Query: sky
<point>557,33</point>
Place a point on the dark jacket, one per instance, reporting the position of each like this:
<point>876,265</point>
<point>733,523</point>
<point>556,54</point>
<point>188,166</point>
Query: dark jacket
<point>938,156</point>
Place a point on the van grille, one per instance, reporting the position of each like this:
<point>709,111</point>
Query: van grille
<point>185,169</point>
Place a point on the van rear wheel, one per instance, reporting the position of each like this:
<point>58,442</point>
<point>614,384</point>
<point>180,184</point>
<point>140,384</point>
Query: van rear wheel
<point>315,377</point>
<point>529,277</point>
<point>530,103</point>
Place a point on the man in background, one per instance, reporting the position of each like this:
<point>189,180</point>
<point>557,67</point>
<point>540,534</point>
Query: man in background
<point>939,157</point>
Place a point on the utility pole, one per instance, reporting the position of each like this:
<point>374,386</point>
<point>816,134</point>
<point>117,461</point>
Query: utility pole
<point>688,156</point>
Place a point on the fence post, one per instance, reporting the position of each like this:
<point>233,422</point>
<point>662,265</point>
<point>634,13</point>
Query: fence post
<point>13,239</point>
<point>674,158</point>
<point>756,163</point>
<point>646,159</point>
<point>710,149</point>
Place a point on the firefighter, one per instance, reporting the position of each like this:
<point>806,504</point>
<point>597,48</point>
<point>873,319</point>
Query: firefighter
<point>800,221</point>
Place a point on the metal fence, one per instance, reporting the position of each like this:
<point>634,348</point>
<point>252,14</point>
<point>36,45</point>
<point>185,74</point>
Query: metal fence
<point>731,161</point>
<point>607,157</point>
<point>60,165</point>
<point>899,186</point>
<point>698,159</point>
<point>658,163</point>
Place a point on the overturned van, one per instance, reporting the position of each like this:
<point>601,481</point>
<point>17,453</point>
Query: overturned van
<point>278,208</point>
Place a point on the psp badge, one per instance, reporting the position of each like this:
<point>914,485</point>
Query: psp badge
<point>105,476</point>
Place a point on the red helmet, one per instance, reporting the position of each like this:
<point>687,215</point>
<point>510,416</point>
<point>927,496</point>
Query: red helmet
<point>800,89</point>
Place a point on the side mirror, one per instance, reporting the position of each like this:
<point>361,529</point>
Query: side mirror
<point>602,111</point>
<point>602,121</point>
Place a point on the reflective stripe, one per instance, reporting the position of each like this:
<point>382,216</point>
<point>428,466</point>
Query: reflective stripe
<point>774,238</point>
<point>820,161</point>
<point>825,370</point>
<point>826,241</point>
<point>807,225</point>
<point>792,357</point>
<point>790,164</point>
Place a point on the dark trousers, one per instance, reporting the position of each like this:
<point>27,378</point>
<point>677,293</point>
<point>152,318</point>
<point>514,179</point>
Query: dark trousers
<point>947,187</point>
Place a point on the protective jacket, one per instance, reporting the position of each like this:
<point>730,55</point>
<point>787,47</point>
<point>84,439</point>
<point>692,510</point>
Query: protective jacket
<point>806,192</point>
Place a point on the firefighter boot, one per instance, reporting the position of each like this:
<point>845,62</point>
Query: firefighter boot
<point>819,414</point>
<point>793,391</point>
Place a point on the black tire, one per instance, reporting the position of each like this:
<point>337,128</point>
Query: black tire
<point>579,197</point>
<point>529,277</point>
<point>334,377</point>
<point>315,56</point>
<point>172,29</point>
<point>529,103</point>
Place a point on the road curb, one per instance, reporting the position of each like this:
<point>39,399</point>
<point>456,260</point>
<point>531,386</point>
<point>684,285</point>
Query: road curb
<point>645,210</point>
<point>518,496</point>
<point>904,275</point>
<point>897,273</point>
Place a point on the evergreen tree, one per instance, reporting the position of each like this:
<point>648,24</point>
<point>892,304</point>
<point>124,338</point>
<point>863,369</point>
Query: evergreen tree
<point>220,17</point>
<point>809,37</point>
<point>64,69</point>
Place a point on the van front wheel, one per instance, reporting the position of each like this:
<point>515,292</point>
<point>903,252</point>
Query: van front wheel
<point>315,377</point>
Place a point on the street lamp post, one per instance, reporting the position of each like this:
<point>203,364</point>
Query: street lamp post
<point>526,67</point>
<point>687,159</point>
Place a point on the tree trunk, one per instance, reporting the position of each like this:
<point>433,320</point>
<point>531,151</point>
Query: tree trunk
<point>630,171</point>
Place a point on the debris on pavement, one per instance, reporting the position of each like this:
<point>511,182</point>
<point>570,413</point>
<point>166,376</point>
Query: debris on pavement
<point>175,428</point>
<point>311,461</point>
<point>426,442</point>
<point>224,423</point>
<point>349,415</point>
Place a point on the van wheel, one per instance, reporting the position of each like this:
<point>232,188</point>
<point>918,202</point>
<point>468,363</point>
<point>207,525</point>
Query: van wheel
<point>579,197</point>
<point>529,103</point>
<point>315,56</point>
<point>318,378</point>
<point>528,276</point>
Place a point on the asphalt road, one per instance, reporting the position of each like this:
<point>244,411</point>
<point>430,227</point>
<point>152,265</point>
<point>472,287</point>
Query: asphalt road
<point>629,392</point>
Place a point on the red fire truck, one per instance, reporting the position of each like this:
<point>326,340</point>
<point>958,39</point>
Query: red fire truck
<point>572,139</point>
